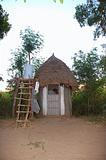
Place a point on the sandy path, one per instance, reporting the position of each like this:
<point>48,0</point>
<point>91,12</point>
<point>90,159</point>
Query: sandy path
<point>53,139</point>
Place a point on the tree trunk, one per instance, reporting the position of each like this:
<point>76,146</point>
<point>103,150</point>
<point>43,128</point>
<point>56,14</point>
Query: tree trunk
<point>29,58</point>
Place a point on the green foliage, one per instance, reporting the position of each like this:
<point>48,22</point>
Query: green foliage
<point>88,71</point>
<point>92,13</point>
<point>6,102</point>
<point>1,78</point>
<point>4,24</point>
<point>86,66</point>
<point>80,100</point>
<point>17,62</point>
<point>37,62</point>
<point>101,96</point>
<point>61,1</point>
<point>103,65</point>
<point>31,41</point>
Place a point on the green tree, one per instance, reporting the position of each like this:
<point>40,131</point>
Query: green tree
<point>4,24</point>
<point>17,62</point>
<point>87,70</point>
<point>37,62</point>
<point>31,41</point>
<point>86,66</point>
<point>16,69</point>
<point>93,13</point>
<point>103,64</point>
<point>31,44</point>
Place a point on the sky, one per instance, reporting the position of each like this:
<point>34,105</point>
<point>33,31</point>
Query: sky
<point>62,34</point>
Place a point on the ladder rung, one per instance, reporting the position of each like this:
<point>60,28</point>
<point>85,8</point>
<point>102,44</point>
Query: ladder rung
<point>24,88</point>
<point>23,99</point>
<point>23,111</point>
<point>23,105</point>
<point>25,79</point>
<point>30,87</point>
<point>22,120</point>
<point>24,93</point>
<point>28,83</point>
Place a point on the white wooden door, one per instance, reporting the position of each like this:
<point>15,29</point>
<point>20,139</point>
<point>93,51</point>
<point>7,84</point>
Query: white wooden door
<point>53,107</point>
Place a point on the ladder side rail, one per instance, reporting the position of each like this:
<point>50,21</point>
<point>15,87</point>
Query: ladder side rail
<point>19,105</point>
<point>29,103</point>
<point>15,94</point>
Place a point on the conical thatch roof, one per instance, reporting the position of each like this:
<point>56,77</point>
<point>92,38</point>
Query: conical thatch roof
<point>54,71</point>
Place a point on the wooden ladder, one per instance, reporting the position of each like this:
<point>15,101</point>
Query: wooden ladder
<point>23,102</point>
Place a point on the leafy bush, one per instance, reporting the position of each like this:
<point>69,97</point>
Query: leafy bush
<point>79,101</point>
<point>6,103</point>
<point>96,106</point>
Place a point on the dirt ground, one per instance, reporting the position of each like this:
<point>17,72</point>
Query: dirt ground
<point>53,139</point>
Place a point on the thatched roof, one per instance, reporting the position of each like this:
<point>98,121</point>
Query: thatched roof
<point>55,71</point>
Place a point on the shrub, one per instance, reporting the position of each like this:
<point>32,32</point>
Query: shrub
<point>79,101</point>
<point>6,103</point>
<point>97,103</point>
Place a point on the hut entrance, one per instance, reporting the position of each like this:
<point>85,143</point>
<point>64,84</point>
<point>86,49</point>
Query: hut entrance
<point>53,107</point>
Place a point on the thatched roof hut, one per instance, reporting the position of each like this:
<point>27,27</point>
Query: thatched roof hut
<point>56,85</point>
<point>55,71</point>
